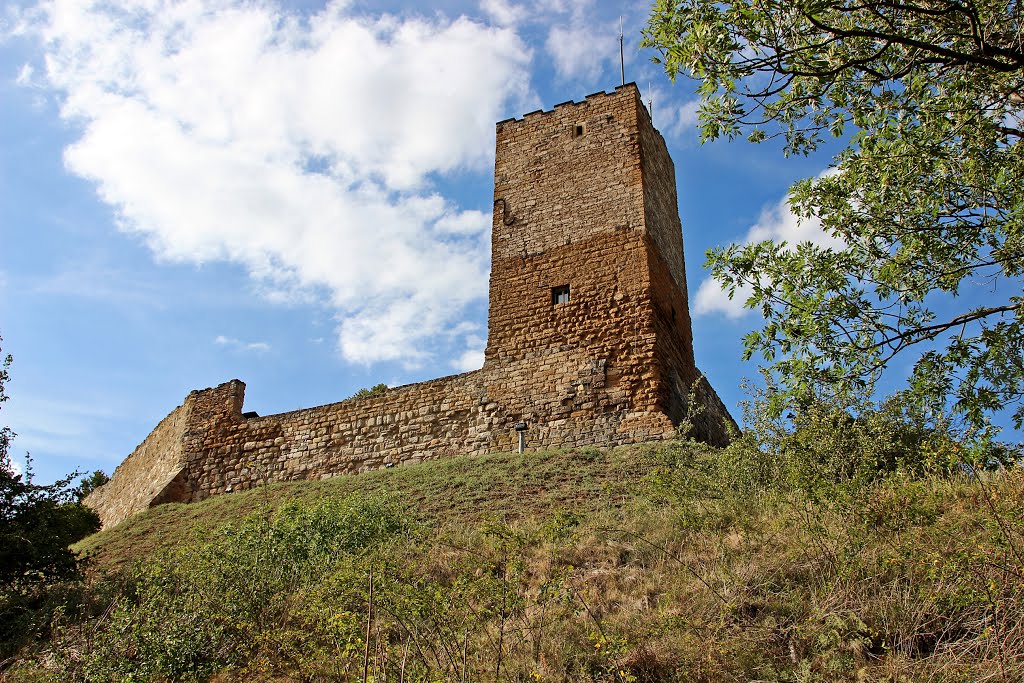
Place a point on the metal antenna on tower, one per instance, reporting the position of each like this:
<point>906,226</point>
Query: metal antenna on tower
<point>622,61</point>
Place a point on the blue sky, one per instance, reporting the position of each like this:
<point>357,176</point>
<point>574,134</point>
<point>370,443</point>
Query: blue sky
<point>296,195</point>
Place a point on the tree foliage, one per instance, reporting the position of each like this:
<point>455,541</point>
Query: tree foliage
<point>375,390</point>
<point>90,483</point>
<point>37,522</point>
<point>924,200</point>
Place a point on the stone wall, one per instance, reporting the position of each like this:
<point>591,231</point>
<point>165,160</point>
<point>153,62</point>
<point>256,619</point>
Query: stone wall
<point>584,198</point>
<point>443,417</point>
<point>147,476</point>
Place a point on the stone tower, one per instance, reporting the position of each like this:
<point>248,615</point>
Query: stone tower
<point>589,339</point>
<point>588,298</point>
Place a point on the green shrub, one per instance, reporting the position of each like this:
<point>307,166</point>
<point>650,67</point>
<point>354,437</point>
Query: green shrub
<point>193,612</point>
<point>375,390</point>
<point>829,449</point>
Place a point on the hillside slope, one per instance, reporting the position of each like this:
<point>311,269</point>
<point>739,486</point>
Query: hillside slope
<point>633,564</point>
<point>458,491</point>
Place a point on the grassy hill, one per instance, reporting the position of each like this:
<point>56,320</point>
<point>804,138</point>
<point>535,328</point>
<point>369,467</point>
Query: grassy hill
<point>667,563</point>
<point>460,492</point>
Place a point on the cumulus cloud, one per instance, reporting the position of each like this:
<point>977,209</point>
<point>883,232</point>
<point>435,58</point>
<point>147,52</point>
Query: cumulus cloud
<point>671,116</point>
<point>473,357</point>
<point>711,298</point>
<point>304,148</point>
<point>777,223</point>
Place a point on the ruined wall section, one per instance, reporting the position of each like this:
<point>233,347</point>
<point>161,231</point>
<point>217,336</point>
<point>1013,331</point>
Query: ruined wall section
<point>147,476</point>
<point>206,447</point>
<point>467,414</point>
<point>440,418</point>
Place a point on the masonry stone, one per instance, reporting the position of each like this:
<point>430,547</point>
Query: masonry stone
<point>589,334</point>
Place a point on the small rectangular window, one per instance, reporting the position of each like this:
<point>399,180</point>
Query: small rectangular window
<point>560,295</point>
<point>578,130</point>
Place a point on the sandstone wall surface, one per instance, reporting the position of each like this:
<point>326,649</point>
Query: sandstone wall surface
<point>565,175</point>
<point>661,204</point>
<point>146,477</point>
<point>443,417</point>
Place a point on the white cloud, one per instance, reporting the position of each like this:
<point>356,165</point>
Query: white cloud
<point>777,223</point>
<point>239,345</point>
<point>304,149</point>
<point>669,116</point>
<point>686,117</point>
<point>473,223</point>
<point>503,12</point>
<point>581,48</point>
<point>17,468</point>
<point>711,298</point>
<point>558,6</point>
<point>24,77</point>
<point>472,359</point>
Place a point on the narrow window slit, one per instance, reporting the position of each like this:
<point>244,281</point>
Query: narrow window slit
<point>560,295</point>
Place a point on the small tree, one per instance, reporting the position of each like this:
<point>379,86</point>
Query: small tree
<point>37,523</point>
<point>375,390</point>
<point>90,483</point>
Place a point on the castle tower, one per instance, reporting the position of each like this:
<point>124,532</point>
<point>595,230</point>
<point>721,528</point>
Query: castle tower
<point>588,297</point>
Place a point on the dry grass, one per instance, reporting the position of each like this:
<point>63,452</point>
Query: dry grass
<point>562,567</point>
<point>458,491</point>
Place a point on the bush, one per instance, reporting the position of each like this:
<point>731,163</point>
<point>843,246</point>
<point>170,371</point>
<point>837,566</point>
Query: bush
<point>829,450</point>
<point>191,613</point>
<point>37,524</point>
<point>90,483</point>
<point>375,390</point>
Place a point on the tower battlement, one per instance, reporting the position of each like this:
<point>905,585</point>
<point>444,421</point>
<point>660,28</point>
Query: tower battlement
<point>569,103</point>
<point>589,335</point>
